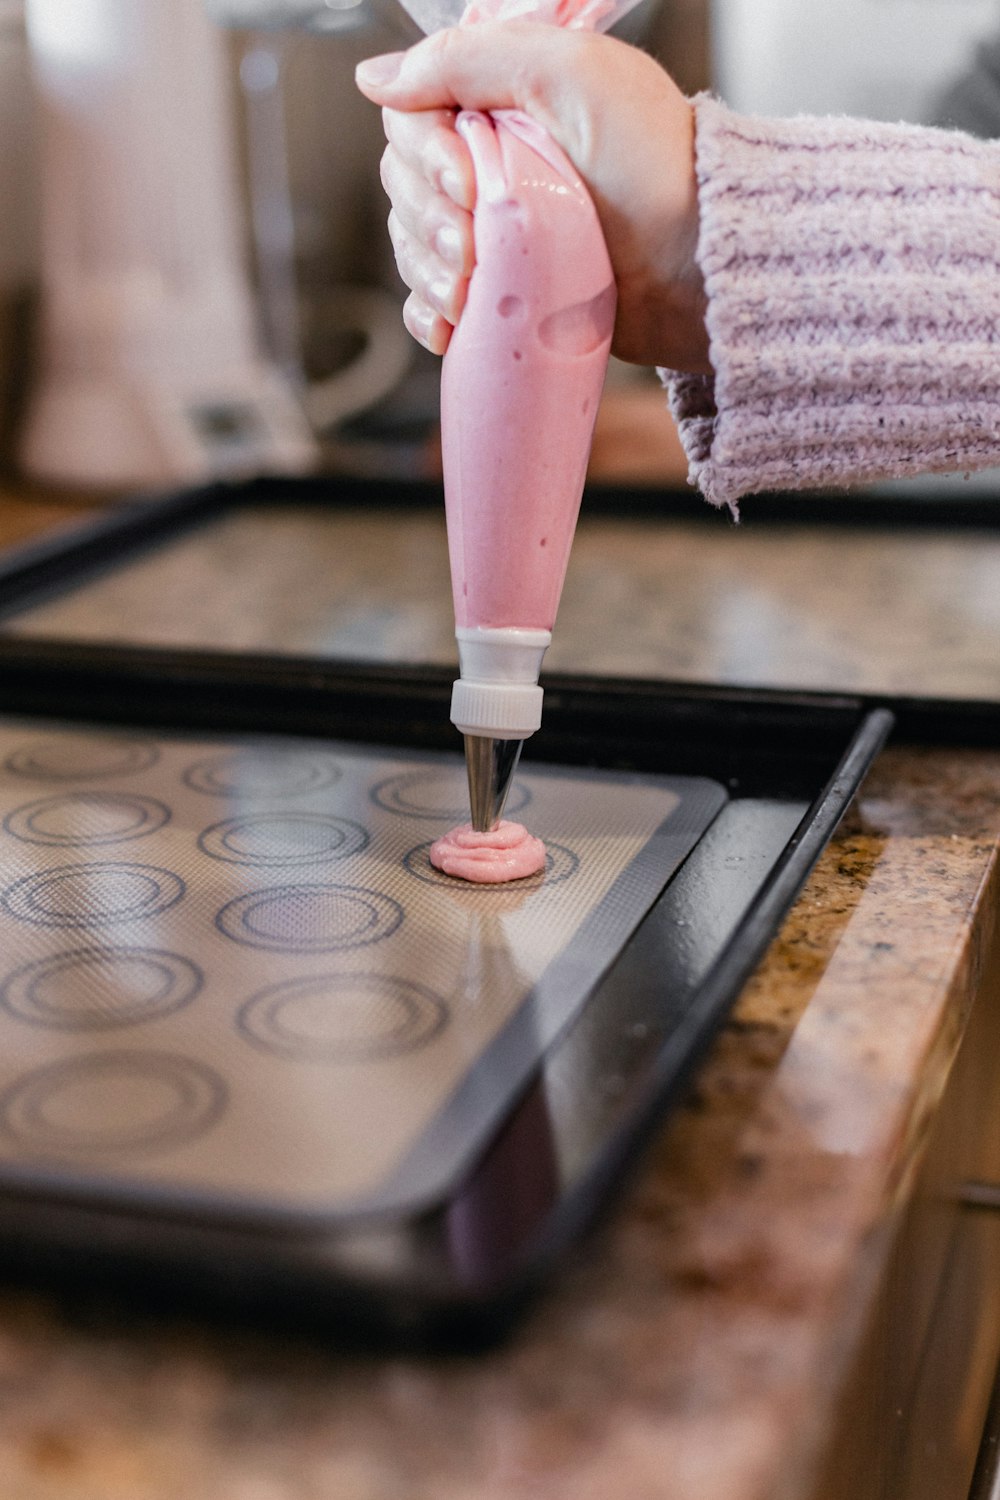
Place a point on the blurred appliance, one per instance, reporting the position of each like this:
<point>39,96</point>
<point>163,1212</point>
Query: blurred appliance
<point>150,369</point>
<point>329,294</point>
<point>314,15</point>
<point>18,217</point>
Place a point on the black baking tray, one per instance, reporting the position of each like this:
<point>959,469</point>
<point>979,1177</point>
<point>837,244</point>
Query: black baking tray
<point>790,763</point>
<point>63,562</point>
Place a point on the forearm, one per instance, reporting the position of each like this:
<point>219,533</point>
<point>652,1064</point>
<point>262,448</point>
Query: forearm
<point>852,274</point>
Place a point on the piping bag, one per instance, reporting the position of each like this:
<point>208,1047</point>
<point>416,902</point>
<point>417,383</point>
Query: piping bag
<point>521,381</point>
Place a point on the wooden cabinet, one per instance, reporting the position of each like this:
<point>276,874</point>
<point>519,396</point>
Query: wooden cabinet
<point>911,1423</point>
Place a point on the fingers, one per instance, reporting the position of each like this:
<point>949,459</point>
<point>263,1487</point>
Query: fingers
<point>439,285</point>
<point>492,65</point>
<point>618,116</point>
<point>583,88</point>
<point>427,173</point>
<point>427,169</point>
<point>427,141</point>
<point>427,215</point>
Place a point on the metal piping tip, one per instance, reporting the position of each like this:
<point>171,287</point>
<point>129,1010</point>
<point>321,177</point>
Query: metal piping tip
<point>490,765</point>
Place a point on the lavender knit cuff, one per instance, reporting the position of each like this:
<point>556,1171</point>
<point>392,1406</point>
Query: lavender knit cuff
<point>852,271</point>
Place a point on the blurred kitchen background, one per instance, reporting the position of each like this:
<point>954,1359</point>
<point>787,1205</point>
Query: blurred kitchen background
<point>195,275</point>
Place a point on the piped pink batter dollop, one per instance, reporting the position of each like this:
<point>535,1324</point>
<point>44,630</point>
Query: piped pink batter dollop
<point>507,852</point>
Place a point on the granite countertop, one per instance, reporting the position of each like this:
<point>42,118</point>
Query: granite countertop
<point>697,1347</point>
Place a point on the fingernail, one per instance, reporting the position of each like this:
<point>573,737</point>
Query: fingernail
<point>375,72</point>
<point>419,320</point>
<point>448,243</point>
<point>439,294</point>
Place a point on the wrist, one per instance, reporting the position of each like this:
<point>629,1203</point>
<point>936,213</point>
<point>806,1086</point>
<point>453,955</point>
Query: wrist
<point>662,300</point>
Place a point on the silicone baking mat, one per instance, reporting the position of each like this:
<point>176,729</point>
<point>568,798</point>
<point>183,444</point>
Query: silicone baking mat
<point>231,978</point>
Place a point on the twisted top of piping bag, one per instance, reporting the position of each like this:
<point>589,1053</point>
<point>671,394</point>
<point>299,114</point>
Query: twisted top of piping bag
<point>594,15</point>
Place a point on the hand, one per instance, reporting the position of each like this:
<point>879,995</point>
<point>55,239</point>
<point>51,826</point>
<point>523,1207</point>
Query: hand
<point>622,122</point>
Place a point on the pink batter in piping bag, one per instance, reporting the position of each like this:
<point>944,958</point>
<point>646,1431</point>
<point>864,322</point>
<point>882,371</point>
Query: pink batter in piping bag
<point>520,385</point>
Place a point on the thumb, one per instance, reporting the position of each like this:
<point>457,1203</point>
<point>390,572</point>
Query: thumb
<point>492,65</point>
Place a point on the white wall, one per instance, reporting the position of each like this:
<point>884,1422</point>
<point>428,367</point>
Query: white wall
<point>882,59</point>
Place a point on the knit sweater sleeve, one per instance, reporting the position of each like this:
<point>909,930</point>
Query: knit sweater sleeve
<point>852,272</point>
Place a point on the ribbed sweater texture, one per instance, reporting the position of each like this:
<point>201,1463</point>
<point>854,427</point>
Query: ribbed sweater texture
<point>852,270</point>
